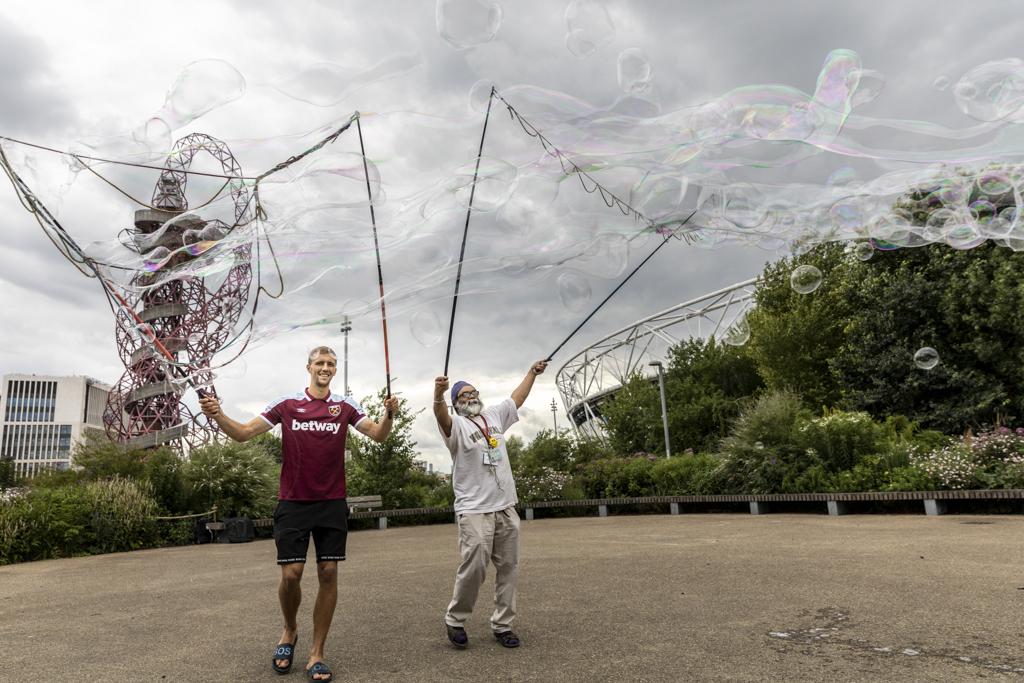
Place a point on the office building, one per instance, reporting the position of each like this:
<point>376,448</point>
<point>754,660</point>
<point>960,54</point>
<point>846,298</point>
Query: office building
<point>43,417</point>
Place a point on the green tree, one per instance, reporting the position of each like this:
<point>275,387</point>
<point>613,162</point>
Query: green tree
<point>705,385</point>
<point>794,338</point>
<point>547,449</point>
<point>968,305</point>
<point>270,444</point>
<point>387,468</point>
<point>633,417</point>
<point>97,457</point>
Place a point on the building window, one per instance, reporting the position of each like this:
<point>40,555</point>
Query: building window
<point>30,401</point>
<point>64,443</point>
<point>95,404</point>
<point>36,442</point>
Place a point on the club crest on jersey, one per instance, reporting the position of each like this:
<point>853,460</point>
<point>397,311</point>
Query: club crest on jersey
<point>335,411</point>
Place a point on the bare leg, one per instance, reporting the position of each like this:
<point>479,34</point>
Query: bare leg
<point>323,610</point>
<point>289,593</point>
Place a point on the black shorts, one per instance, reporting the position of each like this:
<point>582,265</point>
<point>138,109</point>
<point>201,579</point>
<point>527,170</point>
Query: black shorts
<point>295,520</point>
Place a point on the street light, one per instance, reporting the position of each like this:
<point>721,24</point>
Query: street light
<point>346,327</point>
<point>554,415</point>
<point>664,410</point>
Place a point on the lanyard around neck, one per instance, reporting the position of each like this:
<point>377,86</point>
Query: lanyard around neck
<point>485,432</point>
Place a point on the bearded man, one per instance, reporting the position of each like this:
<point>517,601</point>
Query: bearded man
<point>485,502</point>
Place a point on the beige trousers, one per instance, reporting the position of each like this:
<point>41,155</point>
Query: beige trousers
<point>483,536</point>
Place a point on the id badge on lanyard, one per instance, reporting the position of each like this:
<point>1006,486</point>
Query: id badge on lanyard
<point>491,455</point>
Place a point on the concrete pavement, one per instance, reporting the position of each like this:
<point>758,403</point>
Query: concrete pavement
<point>710,597</point>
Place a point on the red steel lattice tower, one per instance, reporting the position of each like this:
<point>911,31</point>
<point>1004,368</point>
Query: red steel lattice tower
<point>191,316</point>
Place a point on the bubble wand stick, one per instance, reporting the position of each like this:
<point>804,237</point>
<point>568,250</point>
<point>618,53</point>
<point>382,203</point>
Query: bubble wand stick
<point>376,248</point>
<point>617,288</point>
<point>465,234</point>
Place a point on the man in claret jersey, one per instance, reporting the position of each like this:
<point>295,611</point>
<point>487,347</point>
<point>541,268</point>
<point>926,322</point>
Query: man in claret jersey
<point>314,423</point>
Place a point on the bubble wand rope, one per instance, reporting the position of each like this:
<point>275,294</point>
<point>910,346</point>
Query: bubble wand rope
<point>612,293</point>
<point>45,218</point>
<point>376,248</point>
<point>465,234</point>
<point>569,167</point>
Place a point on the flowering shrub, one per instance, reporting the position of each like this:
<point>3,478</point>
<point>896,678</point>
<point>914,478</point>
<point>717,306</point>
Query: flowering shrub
<point>951,467</point>
<point>543,483</point>
<point>1000,445</point>
<point>992,459</point>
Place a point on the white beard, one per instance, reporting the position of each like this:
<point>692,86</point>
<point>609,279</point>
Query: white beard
<point>469,408</point>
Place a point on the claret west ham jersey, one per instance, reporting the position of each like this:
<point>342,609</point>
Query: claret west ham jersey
<point>313,432</point>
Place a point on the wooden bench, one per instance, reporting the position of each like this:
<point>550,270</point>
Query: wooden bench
<point>935,502</point>
<point>382,515</point>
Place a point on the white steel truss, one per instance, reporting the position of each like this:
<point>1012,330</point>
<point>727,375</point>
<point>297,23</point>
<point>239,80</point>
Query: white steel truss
<point>596,373</point>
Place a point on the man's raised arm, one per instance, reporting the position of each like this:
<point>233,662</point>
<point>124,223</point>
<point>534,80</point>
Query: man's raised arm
<point>444,420</point>
<point>379,431</point>
<point>234,429</point>
<point>523,390</point>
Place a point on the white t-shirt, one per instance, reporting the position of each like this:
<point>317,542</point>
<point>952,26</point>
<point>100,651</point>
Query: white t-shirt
<point>482,476</point>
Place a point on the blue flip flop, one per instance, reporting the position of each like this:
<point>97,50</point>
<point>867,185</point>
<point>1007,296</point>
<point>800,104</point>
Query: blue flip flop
<point>322,669</point>
<point>284,651</point>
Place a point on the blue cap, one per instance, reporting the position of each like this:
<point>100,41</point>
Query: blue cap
<point>457,387</point>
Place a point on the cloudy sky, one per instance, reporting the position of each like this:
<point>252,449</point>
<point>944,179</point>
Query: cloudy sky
<point>75,72</point>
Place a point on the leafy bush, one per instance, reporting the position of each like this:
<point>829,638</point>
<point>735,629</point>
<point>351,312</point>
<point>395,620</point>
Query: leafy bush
<point>238,478</point>
<point>869,474</point>
<point>617,477</point>
<point>633,417</point>
<point>684,475</point>
<point>387,469</point>
<point>841,439</point>
<point>1007,475</point>
<point>101,516</point>
<point>588,449</point>
<point>910,478</point>
<point>762,455</point>
<point>163,471</point>
<point>548,450</point>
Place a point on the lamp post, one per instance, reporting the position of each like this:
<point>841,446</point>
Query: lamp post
<point>346,327</point>
<point>554,415</point>
<point>664,410</point>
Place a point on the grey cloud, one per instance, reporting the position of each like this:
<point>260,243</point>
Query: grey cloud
<point>33,101</point>
<point>697,51</point>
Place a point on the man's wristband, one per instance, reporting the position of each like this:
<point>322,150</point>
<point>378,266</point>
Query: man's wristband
<point>436,400</point>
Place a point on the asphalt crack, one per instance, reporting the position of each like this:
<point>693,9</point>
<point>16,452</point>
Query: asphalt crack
<point>828,628</point>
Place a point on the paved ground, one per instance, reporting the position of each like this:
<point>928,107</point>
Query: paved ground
<point>644,598</point>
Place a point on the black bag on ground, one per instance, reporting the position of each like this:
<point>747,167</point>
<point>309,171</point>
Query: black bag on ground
<point>201,534</point>
<point>238,530</point>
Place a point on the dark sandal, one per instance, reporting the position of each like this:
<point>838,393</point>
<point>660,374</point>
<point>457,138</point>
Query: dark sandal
<point>507,639</point>
<point>320,668</point>
<point>284,651</point>
<point>457,636</point>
